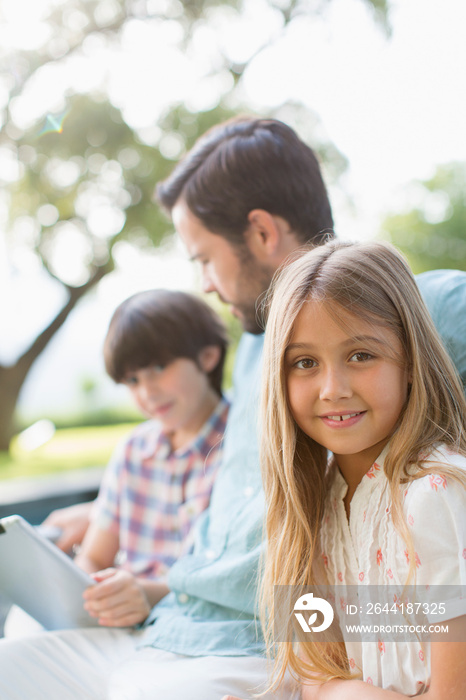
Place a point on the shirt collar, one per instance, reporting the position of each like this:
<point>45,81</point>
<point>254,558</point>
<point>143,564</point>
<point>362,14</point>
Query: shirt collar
<point>210,433</point>
<point>372,477</point>
<point>157,442</point>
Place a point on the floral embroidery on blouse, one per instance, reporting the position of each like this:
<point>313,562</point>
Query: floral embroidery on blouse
<point>367,550</point>
<point>371,473</point>
<point>436,481</point>
<point>417,561</point>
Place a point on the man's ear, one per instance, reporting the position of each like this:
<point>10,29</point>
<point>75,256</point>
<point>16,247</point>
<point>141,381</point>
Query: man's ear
<point>263,234</point>
<point>209,357</point>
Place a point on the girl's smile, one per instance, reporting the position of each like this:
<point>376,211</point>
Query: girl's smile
<point>338,421</point>
<point>347,384</point>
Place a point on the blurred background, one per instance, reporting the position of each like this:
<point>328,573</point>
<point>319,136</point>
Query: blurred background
<point>100,98</point>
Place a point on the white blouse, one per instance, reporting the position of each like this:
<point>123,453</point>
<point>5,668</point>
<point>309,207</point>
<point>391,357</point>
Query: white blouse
<point>368,550</point>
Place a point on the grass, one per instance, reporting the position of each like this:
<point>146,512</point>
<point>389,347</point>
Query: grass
<point>69,448</point>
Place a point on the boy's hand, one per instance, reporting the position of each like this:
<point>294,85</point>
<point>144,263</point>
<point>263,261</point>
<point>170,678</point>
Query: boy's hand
<point>72,521</point>
<point>117,599</point>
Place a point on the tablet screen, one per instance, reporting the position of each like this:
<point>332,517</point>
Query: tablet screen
<point>40,578</point>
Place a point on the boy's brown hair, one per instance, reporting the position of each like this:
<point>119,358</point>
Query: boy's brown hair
<point>158,326</point>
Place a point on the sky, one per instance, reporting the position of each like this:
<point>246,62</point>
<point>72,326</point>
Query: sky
<point>395,107</point>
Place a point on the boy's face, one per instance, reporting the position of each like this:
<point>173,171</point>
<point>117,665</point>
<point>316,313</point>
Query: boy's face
<point>178,395</point>
<point>237,277</point>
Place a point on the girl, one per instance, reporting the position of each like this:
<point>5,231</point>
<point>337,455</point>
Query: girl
<point>354,367</point>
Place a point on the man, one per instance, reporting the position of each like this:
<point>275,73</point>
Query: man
<point>247,195</point>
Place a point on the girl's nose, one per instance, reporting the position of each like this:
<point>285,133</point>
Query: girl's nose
<point>335,385</point>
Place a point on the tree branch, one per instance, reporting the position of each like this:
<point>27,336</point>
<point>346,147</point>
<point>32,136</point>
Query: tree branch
<point>75,294</point>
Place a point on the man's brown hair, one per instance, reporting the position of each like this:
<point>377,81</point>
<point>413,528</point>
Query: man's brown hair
<point>245,164</point>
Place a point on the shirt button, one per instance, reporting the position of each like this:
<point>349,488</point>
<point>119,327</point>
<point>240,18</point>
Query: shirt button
<point>248,491</point>
<point>183,598</point>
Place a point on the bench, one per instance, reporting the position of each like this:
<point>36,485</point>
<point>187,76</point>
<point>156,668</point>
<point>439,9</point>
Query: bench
<point>35,498</point>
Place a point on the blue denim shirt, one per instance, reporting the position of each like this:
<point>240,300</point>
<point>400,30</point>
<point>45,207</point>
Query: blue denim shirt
<point>211,609</point>
<point>444,292</point>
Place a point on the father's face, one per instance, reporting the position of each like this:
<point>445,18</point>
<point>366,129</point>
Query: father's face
<point>234,273</point>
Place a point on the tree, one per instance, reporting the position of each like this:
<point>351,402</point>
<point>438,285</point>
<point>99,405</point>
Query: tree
<point>82,172</point>
<point>432,233</point>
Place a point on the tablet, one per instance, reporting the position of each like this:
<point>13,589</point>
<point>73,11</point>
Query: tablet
<point>40,578</point>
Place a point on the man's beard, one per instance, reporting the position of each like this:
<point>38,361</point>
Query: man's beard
<point>254,283</point>
<point>251,317</point>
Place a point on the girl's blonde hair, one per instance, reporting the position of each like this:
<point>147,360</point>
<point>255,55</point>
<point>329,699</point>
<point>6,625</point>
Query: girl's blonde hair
<point>373,282</point>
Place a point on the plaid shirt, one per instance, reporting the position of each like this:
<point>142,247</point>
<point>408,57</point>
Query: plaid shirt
<point>150,495</point>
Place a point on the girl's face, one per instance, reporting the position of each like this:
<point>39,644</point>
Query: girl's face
<point>345,391</point>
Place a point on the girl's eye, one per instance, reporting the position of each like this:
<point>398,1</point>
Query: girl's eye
<point>131,381</point>
<point>305,364</point>
<point>361,357</point>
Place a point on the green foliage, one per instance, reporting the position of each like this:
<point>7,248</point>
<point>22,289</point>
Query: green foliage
<point>234,330</point>
<point>86,177</point>
<point>96,418</point>
<point>433,232</point>
<point>380,9</point>
<point>69,449</point>
<point>100,160</point>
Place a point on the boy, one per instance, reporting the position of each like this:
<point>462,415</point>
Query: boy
<point>168,347</point>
